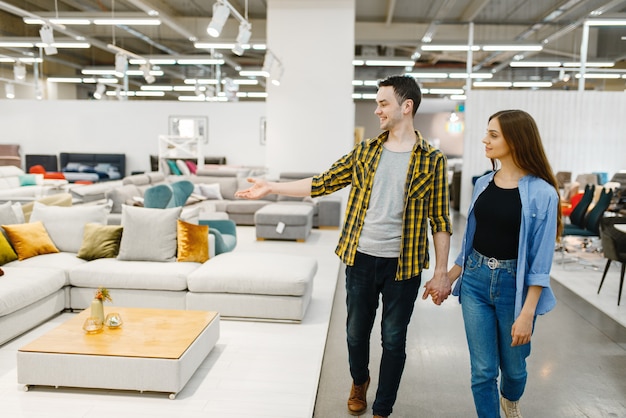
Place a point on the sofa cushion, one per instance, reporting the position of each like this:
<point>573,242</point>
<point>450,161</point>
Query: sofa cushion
<point>120,195</point>
<point>66,225</point>
<point>30,239</point>
<point>149,234</point>
<point>228,185</point>
<point>7,254</point>
<point>100,241</point>
<point>144,275</point>
<point>193,242</point>
<point>254,273</point>
<point>23,287</point>
<point>209,191</point>
<point>9,215</point>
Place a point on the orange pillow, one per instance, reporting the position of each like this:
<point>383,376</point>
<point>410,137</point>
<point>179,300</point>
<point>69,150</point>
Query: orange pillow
<point>193,242</point>
<point>30,239</point>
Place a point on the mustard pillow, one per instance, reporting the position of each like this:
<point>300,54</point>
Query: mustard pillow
<point>100,241</point>
<point>30,239</point>
<point>7,253</point>
<point>193,242</point>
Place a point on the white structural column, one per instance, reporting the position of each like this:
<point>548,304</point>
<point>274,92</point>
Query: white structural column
<point>310,115</point>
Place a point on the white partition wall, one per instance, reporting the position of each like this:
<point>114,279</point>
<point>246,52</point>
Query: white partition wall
<point>129,127</point>
<point>310,116</point>
<point>583,132</point>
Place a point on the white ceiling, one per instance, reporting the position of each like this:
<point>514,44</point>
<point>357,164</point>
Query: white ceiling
<point>392,29</point>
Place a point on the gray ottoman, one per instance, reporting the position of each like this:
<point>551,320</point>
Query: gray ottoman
<point>289,222</point>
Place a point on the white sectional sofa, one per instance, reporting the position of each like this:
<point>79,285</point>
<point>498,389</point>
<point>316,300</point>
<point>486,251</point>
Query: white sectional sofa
<point>147,270</point>
<point>15,185</point>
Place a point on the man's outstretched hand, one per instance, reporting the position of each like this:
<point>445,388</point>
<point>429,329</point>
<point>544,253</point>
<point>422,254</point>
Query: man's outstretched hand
<point>260,188</point>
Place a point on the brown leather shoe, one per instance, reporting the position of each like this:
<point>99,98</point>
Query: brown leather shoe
<point>357,402</point>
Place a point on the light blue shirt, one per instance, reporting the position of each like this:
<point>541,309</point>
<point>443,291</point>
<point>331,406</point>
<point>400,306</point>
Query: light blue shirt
<point>537,235</point>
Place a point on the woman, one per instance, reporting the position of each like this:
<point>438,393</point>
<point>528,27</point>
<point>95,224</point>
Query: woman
<point>504,266</point>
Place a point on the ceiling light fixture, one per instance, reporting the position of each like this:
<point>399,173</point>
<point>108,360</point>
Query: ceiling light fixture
<point>47,38</point>
<point>100,88</point>
<point>121,64</point>
<point>19,71</point>
<point>449,47</point>
<point>534,63</point>
<point>128,21</point>
<point>145,69</point>
<point>389,63</point>
<point>243,37</point>
<point>220,15</point>
<point>512,47</point>
<point>9,90</point>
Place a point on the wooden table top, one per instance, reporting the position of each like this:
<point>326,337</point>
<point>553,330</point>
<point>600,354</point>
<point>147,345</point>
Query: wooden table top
<point>148,333</point>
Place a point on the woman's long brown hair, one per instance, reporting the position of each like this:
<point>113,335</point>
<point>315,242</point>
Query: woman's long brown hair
<point>522,136</point>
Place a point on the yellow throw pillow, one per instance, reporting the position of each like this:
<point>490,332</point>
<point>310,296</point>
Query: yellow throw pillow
<point>100,241</point>
<point>7,253</point>
<point>193,242</point>
<point>30,239</point>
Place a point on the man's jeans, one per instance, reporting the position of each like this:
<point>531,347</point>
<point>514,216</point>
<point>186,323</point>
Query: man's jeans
<point>488,304</point>
<point>365,281</point>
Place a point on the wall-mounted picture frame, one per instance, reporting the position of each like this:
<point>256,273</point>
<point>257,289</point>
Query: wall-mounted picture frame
<point>263,131</point>
<point>189,127</point>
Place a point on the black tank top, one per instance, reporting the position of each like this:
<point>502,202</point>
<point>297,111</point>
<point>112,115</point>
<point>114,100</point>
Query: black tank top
<point>498,217</point>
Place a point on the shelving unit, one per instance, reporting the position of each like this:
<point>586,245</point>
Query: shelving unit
<point>179,147</point>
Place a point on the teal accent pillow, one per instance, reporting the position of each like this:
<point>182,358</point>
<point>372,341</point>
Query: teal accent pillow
<point>28,180</point>
<point>173,167</point>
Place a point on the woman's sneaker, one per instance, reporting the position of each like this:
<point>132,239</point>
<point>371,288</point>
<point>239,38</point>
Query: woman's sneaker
<point>511,409</point>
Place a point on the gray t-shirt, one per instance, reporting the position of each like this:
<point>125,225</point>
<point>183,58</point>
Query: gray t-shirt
<point>382,227</point>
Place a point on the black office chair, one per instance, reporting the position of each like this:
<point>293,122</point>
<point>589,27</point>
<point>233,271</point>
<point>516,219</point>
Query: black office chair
<point>591,224</point>
<point>614,248</point>
<point>577,216</point>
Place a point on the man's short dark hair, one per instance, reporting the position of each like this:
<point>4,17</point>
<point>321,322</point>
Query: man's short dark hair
<point>405,87</point>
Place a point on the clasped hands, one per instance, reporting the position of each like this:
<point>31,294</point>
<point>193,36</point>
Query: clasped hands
<point>438,288</point>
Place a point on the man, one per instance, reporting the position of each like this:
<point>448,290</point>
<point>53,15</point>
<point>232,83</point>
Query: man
<point>399,182</point>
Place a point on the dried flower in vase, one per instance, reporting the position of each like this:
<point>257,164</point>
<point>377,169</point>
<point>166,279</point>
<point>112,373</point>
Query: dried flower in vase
<point>103,294</point>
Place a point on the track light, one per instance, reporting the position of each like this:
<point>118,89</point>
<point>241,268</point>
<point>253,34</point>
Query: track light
<point>48,39</point>
<point>243,37</point>
<point>121,63</point>
<point>99,91</point>
<point>220,15</point>
<point>19,71</point>
<point>145,69</point>
<point>9,90</point>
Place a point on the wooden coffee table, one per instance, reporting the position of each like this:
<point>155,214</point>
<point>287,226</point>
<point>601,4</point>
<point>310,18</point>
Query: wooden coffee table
<point>154,350</point>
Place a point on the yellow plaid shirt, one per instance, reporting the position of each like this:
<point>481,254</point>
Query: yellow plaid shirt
<point>426,197</point>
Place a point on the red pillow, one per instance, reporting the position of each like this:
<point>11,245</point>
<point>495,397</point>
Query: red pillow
<point>54,175</point>
<point>37,169</point>
<point>192,166</point>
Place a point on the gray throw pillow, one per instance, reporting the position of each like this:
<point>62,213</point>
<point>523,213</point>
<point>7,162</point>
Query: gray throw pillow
<point>148,234</point>
<point>66,224</point>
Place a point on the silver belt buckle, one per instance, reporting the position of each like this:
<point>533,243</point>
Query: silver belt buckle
<point>492,263</point>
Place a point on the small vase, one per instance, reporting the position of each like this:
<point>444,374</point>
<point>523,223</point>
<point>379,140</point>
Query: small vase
<point>97,309</point>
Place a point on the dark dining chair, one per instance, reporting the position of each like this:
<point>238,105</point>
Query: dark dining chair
<point>614,248</point>
<point>591,224</point>
<point>577,216</point>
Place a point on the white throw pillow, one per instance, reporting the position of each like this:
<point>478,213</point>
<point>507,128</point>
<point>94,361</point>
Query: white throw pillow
<point>182,166</point>
<point>148,234</point>
<point>211,191</point>
<point>66,224</point>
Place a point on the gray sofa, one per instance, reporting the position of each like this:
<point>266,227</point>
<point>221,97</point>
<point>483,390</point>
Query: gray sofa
<point>326,210</point>
<point>33,289</point>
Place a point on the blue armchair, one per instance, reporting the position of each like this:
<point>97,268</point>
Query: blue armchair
<point>225,232</point>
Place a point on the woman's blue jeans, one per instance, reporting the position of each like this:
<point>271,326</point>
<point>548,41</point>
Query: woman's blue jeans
<point>488,304</point>
<point>368,278</point>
